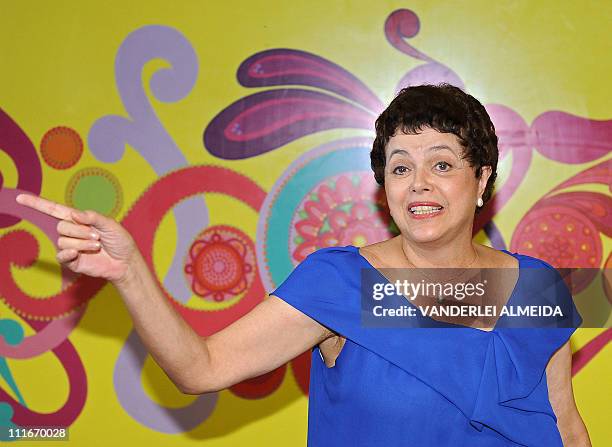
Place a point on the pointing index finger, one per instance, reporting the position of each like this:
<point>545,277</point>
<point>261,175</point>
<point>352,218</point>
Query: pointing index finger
<point>45,206</point>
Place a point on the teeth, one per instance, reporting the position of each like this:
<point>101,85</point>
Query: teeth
<point>424,209</point>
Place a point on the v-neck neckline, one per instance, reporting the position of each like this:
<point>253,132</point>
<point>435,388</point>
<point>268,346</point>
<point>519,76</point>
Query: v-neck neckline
<point>508,302</point>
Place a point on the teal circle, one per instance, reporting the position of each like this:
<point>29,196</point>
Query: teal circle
<point>294,190</point>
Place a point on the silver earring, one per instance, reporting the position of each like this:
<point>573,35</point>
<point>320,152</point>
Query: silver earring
<point>479,202</point>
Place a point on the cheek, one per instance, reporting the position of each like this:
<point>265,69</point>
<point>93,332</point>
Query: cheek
<point>462,192</point>
<point>395,193</point>
<point>394,198</point>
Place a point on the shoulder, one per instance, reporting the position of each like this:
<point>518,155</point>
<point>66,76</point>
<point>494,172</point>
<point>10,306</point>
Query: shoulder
<point>325,286</point>
<point>382,254</point>
<point>506,258</point>
<point>540,276</point>
<point>324,268</point>
<point>533,262</point>
<point>338,256</point>
<point>494,258</point>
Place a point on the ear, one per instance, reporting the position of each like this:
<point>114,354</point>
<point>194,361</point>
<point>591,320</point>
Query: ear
<point>484,178</point>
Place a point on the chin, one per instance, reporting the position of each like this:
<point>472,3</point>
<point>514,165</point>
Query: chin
<point>423,235</point>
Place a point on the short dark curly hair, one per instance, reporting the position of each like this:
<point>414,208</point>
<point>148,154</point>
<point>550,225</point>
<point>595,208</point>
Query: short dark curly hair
<point>447,109</point>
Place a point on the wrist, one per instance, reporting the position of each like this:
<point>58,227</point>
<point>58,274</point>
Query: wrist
<point>132,273</point>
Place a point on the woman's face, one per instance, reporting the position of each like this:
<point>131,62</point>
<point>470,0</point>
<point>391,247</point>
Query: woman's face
<point>431,190</point>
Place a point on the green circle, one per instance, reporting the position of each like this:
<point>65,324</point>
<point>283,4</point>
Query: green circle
<point>95,189</point>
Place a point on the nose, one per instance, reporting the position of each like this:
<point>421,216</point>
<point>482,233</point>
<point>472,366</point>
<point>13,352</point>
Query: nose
<point>420,181</point>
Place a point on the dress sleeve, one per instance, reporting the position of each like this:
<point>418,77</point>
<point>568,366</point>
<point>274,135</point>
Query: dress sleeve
<point>562,297</point>
<point>319,286</point>
<point>545,293</point>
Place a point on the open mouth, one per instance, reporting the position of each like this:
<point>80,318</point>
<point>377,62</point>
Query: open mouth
<point>425,210</point>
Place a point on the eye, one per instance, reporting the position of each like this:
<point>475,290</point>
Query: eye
<point>399,170</point>
<point>445,166</point>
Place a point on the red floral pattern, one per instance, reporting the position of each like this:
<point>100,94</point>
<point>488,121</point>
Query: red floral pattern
<point>221,263</point>
<point>346,209</point>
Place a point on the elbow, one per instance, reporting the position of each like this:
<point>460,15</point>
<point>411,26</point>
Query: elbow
<point>189,388</point>
<point>192,390</point>
<point>204,375</point>
<point>201,381</point>
<point>199,387</point>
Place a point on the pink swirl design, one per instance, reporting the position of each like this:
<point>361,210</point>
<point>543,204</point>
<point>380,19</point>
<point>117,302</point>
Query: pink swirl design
<point>294,67</point>
<point>144,218</point>
<point>402,24</point>
<point>77,381</point>
<point>571,139</point>
<point>600,173</point>
<point>512,133</point>
<point>142,221</point>
<point>21,249</point>
<point>584,355</point>
<point>56,331</point>
<point>48,335</point>
<point>432,73</point>
<point>564,227</point>
<point>270,119</point>
<point>16,144</point>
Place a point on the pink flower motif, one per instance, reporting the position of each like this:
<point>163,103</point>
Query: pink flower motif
<point>347,213</point>
<point>221,263</point>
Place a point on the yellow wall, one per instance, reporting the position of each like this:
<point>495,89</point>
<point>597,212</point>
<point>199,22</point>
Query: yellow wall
<point>58,70</point>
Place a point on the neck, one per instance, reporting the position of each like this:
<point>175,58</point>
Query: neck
<point>460,253</point>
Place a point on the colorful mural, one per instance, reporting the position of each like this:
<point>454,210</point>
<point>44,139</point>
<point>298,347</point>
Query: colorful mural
<point>229,177</point>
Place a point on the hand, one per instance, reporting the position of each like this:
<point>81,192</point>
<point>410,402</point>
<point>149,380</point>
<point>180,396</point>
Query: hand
<point>89,242</point>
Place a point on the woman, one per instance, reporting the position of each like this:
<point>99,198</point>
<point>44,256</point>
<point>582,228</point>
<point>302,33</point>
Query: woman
<point>435,153</point>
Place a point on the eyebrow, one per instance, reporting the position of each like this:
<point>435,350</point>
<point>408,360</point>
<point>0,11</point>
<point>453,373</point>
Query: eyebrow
<point>437,147</point>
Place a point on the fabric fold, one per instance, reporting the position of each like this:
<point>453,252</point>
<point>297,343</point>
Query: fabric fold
<point>494,378</point>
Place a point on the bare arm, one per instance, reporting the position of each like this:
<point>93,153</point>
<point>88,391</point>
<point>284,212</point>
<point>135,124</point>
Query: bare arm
<point>270,335</point>
<point>267,337</point>
<point>561,394</point>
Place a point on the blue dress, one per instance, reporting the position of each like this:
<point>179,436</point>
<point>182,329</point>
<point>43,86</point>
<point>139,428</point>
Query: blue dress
<point>434,386</point>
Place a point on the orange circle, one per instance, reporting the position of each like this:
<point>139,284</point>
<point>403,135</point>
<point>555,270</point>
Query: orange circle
<point>61,147</point>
